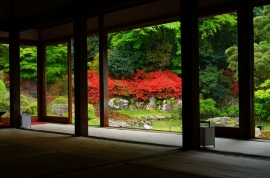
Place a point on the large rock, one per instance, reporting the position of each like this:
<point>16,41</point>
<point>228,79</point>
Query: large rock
<point>225,121</point>
<point>118,103</point>
<point>178,104</point>
<point>257,132</point>
<point>166,106</point>
<point>59,109</point>
<point>140,105</point>
<point>152,103</point>
<point>132,108</point>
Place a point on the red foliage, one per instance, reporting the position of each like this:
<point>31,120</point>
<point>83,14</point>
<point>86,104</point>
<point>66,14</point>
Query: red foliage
<point>228,72</point>
<point>55,88</point>
<point>235,88</point>
<point>228,77</point>
<point>29,87</point>
<point>93,86</point>
<point>161,84</point>
<point>120,88</point>
<point>50,97</point>
<point>232,84</point>
<point>6,79</point>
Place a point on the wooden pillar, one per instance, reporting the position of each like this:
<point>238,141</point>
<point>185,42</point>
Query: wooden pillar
<point>41,82</point>
<point>190,74</point>
<point>69,82</point>
<point>246,69</point>
<point>14,71</point>
<point>80,72</point>
<point>103,73</point>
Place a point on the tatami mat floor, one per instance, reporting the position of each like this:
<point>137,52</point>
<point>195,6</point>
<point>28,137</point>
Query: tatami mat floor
<point>258,147</point>
<point>37,153</point>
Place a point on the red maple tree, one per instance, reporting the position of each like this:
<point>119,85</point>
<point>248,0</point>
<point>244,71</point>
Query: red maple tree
<point>142,85</point>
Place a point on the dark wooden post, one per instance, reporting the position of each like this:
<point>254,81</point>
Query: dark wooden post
<point>246,69</point>
<point>103,72</point>
<point>80,71</point>
<point>41,83</point>
<point>190,74</point>
<point>70,86</point>
<point>14,69</point>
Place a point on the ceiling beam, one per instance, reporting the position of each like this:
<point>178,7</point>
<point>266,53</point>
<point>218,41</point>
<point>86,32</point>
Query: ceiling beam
<point>4,25</point>
<point>53,17</point>
<point>64,14</point>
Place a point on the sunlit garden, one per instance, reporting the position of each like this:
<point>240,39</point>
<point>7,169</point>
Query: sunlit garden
<point>144,81</point>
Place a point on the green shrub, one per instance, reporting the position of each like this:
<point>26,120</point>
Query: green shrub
<point>121,63</point>
<point>260,112</point>
<point>65,115</point>
<point>158,102</point>
<point>262,103</point>
<point>59,100</point>
<point>4,105</point>
<point>3,90</point>
<point>208,108</point>
<point>24,100</point>
<point>91,112</point>
<point>176,113</point>
<point>33,108</point>
<point>232,121</point>
<point>232,111</point>
<point>28,104</point>
<point>94,65</point>
<point>26,109</point>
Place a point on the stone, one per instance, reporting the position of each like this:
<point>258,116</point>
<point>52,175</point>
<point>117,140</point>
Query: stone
<point>152,103</point>
<point>225,121</point>
<point>59,109</point>
<point>178,104</point>
<point>118,103</point>
<point>166,107</point>
<point>132,108</point>
<point>257,132</point>
<point>160,117</point>
<point>140,105</point>
<point>146,126</point>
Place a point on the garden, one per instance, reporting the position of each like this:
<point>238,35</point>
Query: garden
<point>144,81</point>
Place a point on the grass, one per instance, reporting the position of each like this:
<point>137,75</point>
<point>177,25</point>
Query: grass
<point>265,124</point>
<point>160,125</point>
<point>139,113</point>
<point>168,125</point>
<point>94,122</point>
<point>164,125</point>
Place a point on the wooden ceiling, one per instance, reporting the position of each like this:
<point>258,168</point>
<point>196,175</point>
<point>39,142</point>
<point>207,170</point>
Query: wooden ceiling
<point>53,18</point>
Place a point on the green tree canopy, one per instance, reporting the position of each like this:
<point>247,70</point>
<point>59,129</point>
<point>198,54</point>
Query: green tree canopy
<point>208,80</point>
<point>28,57</point>
<point>262,26</point>
<point>154,46</point>
<point>4,55</point>
<point>261,47</point>
<point>212,84</point>
<point>121,63</point>
<point>262,101</point>
<point>56,62</point>
<point>213,31</point>
<point>261,61</point>
<point>213,61</point>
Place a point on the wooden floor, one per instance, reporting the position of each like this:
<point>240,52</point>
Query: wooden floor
<point>29,153</point>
